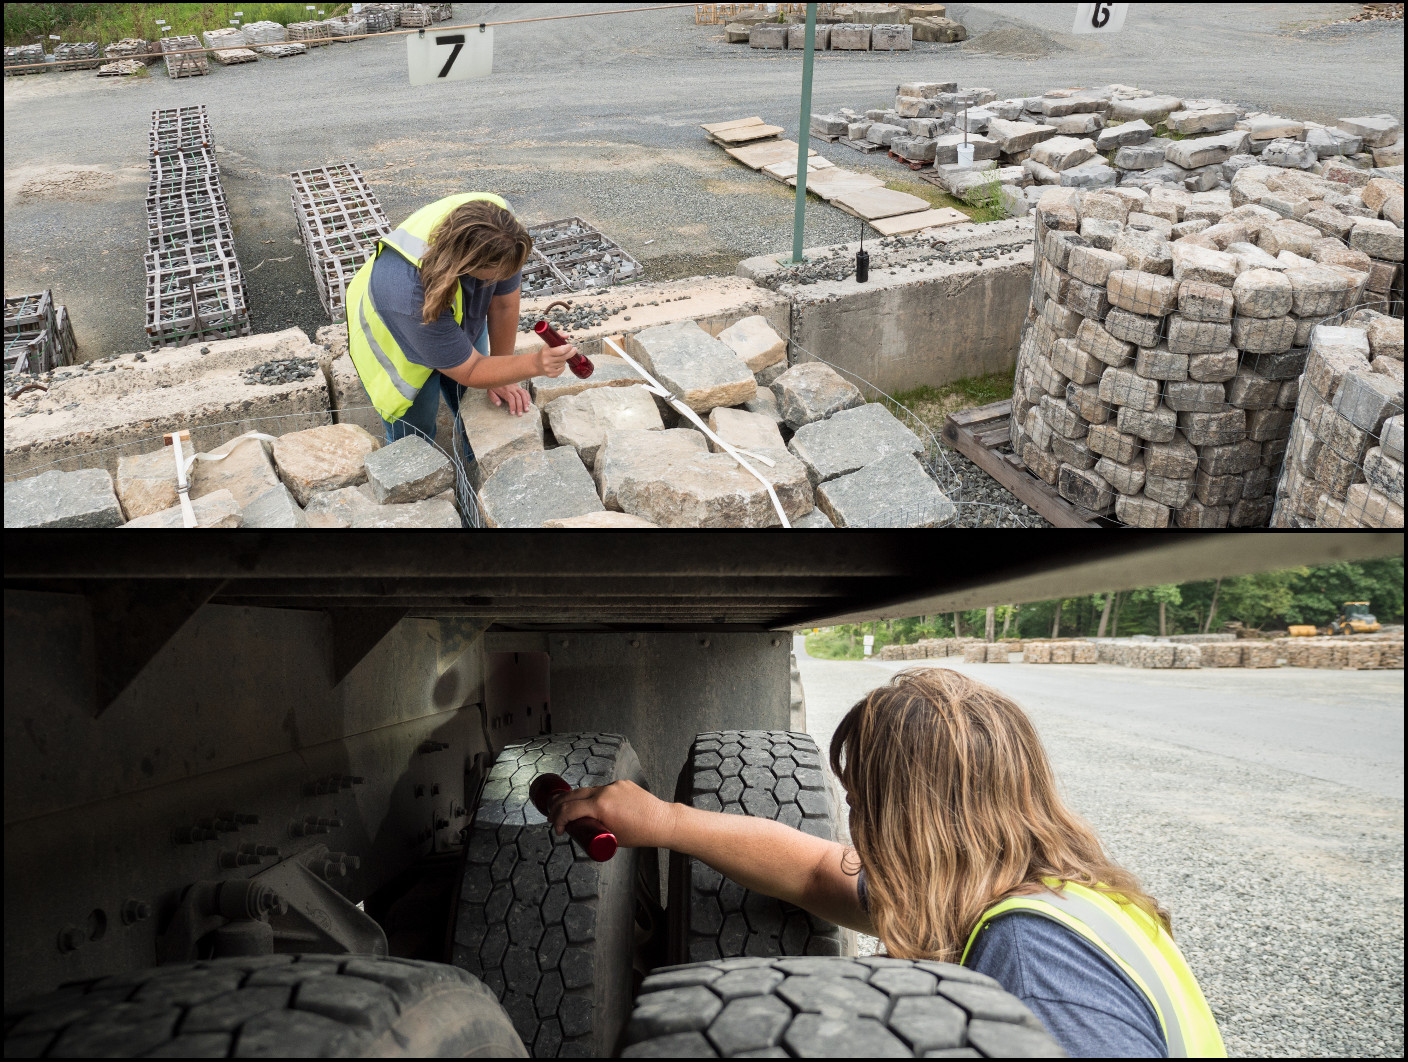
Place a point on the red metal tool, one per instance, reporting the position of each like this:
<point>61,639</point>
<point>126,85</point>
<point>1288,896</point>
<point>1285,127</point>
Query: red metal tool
<point>596,840</point>
<point>580,364</point>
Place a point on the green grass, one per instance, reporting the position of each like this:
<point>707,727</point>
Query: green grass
<point>935,196</point>
<point>833,645</point>
<point>105,23</point>
<point>932,405</point>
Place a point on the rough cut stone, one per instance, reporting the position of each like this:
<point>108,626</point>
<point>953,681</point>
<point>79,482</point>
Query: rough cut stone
<point>146,483</point>
<point>276,507</point>
<point>1012,138</point>
<point>1212,120</point>
<point>1121,387</point>
<point>336,508</point>
<point>1126,134</point>
<point>1205,151</point>
<point>1391,438</point>
<point>894,491</point>
<point>64,499</point>
<point>938,30</point>
<point>1202,301</point>
<point>753,340</point>
<point>583,420</point>
<point>744,430</point>
<point>1084,487</point>
<point>1289,153</point>
<point>217,509</point>
<point>1263,335</point>
<point>610,371</point>
<point>1150,108</point>
<point>1147,156</point>
<point>1218,366</point>
<point>695,366</point>
<point>527,489</point>
<point>675,481</point>
<point>813,391</point>
<point>408,470</point>
<point>1367,399</point>
<point>767,35</point>
<point>1194,263</point>
<point>241,466</point>
<point>1062,152</point>
<point>1262,293</point>
<point>323,458</point>
<point>850,36</point>
<point>1378,239</point>
<point>891,38</point>
<point>432,513</point>
<point>605,518</point>
<point>851,439</point>
<point>1197,337</point>
<point>496,434</point>
<point>1379,130</point>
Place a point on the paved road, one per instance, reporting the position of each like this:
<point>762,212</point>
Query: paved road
<point>1263,808</point>
<point>596,118</point>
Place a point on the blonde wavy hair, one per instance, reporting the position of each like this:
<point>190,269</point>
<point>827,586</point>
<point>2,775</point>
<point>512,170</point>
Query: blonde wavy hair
<point>478,236</point>
<point>954,808</point>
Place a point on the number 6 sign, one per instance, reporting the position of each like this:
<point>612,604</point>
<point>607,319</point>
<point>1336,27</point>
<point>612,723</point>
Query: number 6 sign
<point>434,58</point>
<point>1099,18</point>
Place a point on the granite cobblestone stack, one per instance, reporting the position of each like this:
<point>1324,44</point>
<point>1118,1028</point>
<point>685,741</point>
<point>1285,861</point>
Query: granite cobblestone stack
<point>1158,373</point>
<point>1344,461</point>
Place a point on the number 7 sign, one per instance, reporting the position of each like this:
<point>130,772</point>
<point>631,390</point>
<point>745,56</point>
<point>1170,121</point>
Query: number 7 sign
<point>1099,18</point>
<point>434,58</point>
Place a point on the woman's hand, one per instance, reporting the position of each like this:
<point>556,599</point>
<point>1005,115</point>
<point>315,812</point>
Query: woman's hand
<point>638,819</point>
<point>552,360</point>
<point>515,397</point>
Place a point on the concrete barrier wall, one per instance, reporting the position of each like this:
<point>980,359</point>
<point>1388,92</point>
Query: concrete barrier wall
<point>927,315</point>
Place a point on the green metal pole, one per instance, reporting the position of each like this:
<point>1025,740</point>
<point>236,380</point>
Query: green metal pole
<point>804,135</point>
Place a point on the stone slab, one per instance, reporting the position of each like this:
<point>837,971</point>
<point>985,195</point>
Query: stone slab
<point>323,458</point>
<point>408,470</point>
<point>218,509</point>
<point>894,491</point>
<point>83,498</point>
<point>582,420</point>
<point>902,224</point>
<point>850,439</point>
<point>530,488</point>
<point>699,369</point>
<point>431,513</point>
<point>242,466</point>
<point>756,156</point>
<point>871,203</point>
<point>146,483</point>
<point>813,391</point>
<point>276,507</point>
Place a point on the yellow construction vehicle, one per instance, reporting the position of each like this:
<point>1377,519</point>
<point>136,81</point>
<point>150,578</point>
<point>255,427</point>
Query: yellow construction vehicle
<point>1355,619</point>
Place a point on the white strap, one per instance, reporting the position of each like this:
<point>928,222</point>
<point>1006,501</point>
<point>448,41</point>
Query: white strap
<point>233,446</point>
<point>188,515</point>
<point>655,387</point>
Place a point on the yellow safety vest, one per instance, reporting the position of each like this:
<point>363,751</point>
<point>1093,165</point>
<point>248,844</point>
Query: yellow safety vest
<point>392,380</point>
<point>1140,947</point>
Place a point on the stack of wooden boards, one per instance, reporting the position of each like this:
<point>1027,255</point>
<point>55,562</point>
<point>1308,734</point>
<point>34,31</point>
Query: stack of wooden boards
<point>891,213</point>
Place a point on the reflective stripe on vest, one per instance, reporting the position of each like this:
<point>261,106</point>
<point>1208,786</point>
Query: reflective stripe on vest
<point>1139,947</point>
<point>392,380</point>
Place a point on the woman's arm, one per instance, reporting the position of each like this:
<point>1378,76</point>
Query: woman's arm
<point>759,854</point>
<point>485,372</point>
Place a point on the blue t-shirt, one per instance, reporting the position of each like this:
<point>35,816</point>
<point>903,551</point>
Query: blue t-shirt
<point>1083,998</point>
<point>399,298</point>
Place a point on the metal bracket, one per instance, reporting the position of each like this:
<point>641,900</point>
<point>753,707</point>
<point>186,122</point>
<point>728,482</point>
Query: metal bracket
<point>132,621</point>
<point>356,632</point>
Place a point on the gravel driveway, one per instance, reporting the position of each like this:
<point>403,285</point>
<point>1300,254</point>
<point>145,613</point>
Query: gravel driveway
<point>1263,808</point>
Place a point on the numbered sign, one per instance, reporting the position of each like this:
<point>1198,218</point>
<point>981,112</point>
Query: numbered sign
<point>438,57</point>
<point>869,644</point>
<point>1100,18</point>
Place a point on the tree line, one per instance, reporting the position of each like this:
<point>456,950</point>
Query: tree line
<point>1265,601</point>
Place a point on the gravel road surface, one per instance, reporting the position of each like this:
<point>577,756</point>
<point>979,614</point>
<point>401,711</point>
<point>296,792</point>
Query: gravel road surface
<point>1263,808</point>
<point>593,117</point>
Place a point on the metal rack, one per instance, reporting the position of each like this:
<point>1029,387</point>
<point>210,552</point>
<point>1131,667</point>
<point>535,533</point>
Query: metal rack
<point>192,64</point>
<point>38,335</point>
<point>573,255</point>
<point>339,220</point>
<point>195,288</point>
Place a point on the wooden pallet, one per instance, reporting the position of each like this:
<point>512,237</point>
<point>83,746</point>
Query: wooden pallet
<point>910,162</point>
<point>977,433</point>
<point>830,138</point>
<point>865,147</point>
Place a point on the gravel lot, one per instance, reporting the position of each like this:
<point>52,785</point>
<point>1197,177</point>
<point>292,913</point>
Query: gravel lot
<point>1263,808</point>
<point>596,118</point>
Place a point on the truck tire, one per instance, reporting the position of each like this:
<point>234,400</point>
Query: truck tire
<point>551,932</point>
<point>772,774</point>
<point>841,1008</point>
<point>320,1006</point>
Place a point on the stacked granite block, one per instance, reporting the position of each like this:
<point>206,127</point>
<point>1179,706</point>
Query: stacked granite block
<point>1342,652</point>
<point>1159,370</point>
<point>1344,465</point>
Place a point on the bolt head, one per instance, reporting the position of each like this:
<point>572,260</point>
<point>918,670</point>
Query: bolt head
<point>71,938</point>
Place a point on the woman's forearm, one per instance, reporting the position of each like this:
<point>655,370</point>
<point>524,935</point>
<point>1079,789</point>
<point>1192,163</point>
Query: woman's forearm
<point>771,858</point>
<point>484,372</point>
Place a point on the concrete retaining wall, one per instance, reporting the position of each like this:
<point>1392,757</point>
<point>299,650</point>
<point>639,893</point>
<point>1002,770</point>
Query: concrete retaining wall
<point>921,318</point>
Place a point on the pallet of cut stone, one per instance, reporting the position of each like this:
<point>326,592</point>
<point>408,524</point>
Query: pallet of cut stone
<point>339,221</point>
<point>207,301</point>
<point>381,17</point>
<point>977,434</point>
<point>178,129</point>
<point>121,68</point>
<point>264,33</point>
<point>756,156</point>
<point>903,224</point>
<point>330,183</point>
<point>865,147</point>
<point>234,56</point>
<point>77,56</point>
<point>192,64</point>
<point>347,26</point>
<point>186,233</point>
<point>415,15</point>
<point>280,51</point>
<point>38,335</point>
<point>23,58</point>
<point>310,34</point>
<point>583,256</point>
<point>182,166</point>
<point>170,201</point>
<point>133,48</point>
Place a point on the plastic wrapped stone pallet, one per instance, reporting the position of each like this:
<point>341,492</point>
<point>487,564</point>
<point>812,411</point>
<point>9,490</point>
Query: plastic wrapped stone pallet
<point>1059,652</point>
<point>1158,371</point>
<point>1344,465</point>
<point>1341,653</point>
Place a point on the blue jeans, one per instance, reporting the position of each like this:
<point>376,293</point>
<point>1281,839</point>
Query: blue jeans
<point>426,407</point>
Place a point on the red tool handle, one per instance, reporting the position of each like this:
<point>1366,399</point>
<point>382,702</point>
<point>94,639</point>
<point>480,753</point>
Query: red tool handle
<point>596,840</point>
<point>580,365</point>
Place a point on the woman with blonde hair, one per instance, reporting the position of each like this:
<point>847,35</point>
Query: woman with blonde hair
<point>440,297</point>
<point>963,852</point>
